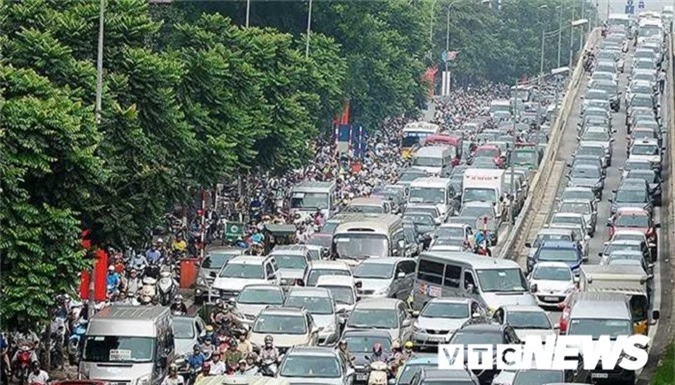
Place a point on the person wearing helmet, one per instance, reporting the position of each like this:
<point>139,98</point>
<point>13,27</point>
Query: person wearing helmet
<point>173,378</point>
<point>221,313</point>
<point>244,346</point>
<point>217,365</point>
<point>251,367</point>
<point>343,351</point>
<point>205,372</point>
<point>209,335</point>
<point>37,375</point>
<point>397,358</point>
<point>178,306</point>
<point>113,281</point>
<point>269,352</point>
<point>408,350</point>
<point>196,359</point>
<point>378,354</point>
<point>207,349</point>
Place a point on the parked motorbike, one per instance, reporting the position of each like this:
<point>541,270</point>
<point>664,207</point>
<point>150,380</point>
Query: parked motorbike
<point>75,341</point>
<point>166,288</point>
<point>22,365</point>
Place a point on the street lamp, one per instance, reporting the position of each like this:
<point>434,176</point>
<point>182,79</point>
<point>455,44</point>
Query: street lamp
<point>575,23</point>
<point>309,29</point>
<point>248,11</point>
<point>560,33</point>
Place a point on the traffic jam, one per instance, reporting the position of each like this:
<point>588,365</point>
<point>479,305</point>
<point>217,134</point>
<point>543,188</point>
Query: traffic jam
<point>387,278</point>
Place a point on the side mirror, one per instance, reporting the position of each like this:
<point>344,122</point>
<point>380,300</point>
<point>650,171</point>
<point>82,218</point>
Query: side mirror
<point>213,274</point>
<point>400,275</point>
<point>358,284</point>
<point>475,315</point>
<point>534,288</point>
<point>576,279</point>
<point>656,315</point>
<point>232,301</point>
<point>528,245</point>
<point>415,313</point>
<point>657,225</point>
<point>556,327</point>
<point>587,238</point>
<point>437,221</point>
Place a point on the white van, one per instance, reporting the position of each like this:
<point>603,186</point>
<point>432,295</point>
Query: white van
<point>128,345</point>
<point>434,160</point>
<point>481,184</point>
<point>433,191</point>
<point>307,197</point>
<point>243,271</point>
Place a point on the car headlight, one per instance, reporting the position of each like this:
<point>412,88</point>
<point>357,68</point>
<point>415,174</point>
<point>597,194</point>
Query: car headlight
<point>143,380</point>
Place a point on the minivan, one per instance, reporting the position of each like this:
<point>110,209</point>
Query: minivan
<point>434,160</point>
<point>245,270</point>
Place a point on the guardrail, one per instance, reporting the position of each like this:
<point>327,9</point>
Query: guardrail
<point>523,223</point>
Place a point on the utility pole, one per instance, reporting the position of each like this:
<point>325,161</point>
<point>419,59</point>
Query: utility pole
<point>309,28</point>
<point>248,12</point>
<point>447,46</point>
<point>541,73</point>
<point>560,35</point>
<point>511,166</point>
<point>582,31</point>
<point>99,101</point>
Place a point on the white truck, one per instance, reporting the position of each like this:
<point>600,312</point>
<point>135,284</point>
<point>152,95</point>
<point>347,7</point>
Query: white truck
<point>482,185</point>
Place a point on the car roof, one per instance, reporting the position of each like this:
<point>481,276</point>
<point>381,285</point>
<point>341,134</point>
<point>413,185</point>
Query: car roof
<point>524,308</point>
<point>384,261</point>
<point>301,291</point>
<point>312,350</point>
<point>552,264</point>
<point>629,232</point>
<point>559,244</point>
<point>631,211</point>
<point>554,231</point>
<point>336,265</point>
<point>247,260</point>
<point>478,328</point>
<point>576,200</point>
<point>435,374</point>
<point>451,300</point>
<point>263,287</point>
<point>378,303</point>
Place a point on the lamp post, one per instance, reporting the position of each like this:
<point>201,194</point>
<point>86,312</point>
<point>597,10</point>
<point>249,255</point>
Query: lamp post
<point>581,34</point>
<point>248,11</point>
<point>560,34</point>
<point>575,23</point>
<point>309,28</point>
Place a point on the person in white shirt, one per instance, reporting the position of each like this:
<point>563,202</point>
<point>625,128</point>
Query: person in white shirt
<point>173,378</point>
<point>37,376</point>
<point>217,366</point>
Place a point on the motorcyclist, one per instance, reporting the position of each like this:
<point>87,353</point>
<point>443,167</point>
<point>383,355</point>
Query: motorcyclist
<point>221,315</point>
<point>113,281</point>
<point>209,335</point>
<point>153,255</point>
<point>481,241</point>
<point>269,352</point>
<point>179,244</point>
<point>207,349</point>
<point>178,306</point>
<point>206,371</point>
<point>196,359</point>
<point>378,354</point>
<point>244,346</point>
<point>343,351</point>
<point>252,368</point>
<point>408,352</point>
<point>37,375</point>
<point>138,262</point>
<point>25,337</point>
<point>397,359</point>
<point>173,378</point>
<point>217,365</point>
<point>134,282</point>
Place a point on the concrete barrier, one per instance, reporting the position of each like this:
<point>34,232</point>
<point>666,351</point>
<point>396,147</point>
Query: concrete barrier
<point>521,228</point>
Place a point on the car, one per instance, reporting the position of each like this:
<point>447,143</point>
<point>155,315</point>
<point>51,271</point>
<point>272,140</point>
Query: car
<point>606,76</point>
<point>594,94</point>
<point>641,114</point>
<point>583,207</point>
<point>580,234</point>
<point>636,219</point>
<point>381,313</point>
<point>245,270</point>
<point>594,149</point>
<point>360,344</point>
<point>525,320</point>
<point>641,132</point>
<point>490,151</point>
<point>634,164</point>
<point>289,326</point>
<point>319,302</point>
<point>451,237</point>
<point>252,299</point>
<point>440,317</point>
<point>425,221</point>
<point>484,334</point>
<point>575,193</point>
<point>587,176</point>
<point>430,209</point>
<point>409,175</point>
<point>292,261</point>
<point>644,64</point>
<point>319,268</point>
<point>304,364</point>
<point>647,149</point>
<point>215,259</point>
<point>589,160</point>
<point>579,375</point>
<point>187,332</point>
<point>344,292</point>
<point>639,87</point>
<point>598,135</point>
<point>569,218</point>
<point>414,365</point>
<point>606,65</point>
<point>613,246</point>
<point>551,283</point>
<point>632,196</point>
<point>623,257</point>
<point>391,277</point>
<point>544,235</point>
<point>428,376</point>
<point>558,251</point>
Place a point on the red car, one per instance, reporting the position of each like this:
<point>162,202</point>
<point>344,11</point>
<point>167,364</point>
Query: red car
<point>566,307</point>
<point>639,220</point>
<point>491,151</point>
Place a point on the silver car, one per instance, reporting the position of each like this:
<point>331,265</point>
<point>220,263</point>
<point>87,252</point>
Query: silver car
<point>440,317</point>
<point>187,332</point>
<point>252,299</point>
<point>315,365</point>
<point>583,207</point>
<point>318,301</point>
<point>588,176</point>
<point>545,235</point>
<point>292,261</point>
<point>381,313</point>
<point>385,277</point>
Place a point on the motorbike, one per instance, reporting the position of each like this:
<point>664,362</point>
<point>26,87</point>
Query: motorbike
<point>148,289</point>
<point>269,368</point>
<point>166,288</point>
<point>75,341</point>
<point>22,365</point>
<point>378,373</point>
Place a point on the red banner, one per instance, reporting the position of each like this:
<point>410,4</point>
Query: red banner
<point>429,77</point>
<point>100,272</point>
<point>344,116</point>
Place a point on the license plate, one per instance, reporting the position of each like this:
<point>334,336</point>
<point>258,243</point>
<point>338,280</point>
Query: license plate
<point>436,339</point>
<point>599,375</point>
<point>550,299</point>
<point>361,377</point>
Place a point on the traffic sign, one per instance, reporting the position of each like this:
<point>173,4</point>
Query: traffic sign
<point>630,9</point>
<point>641,4</point>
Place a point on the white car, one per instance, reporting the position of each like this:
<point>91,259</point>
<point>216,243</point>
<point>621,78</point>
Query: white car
<point>525,321</point>
<point>344,292</point>
<point>242,271</point>
<point>551,283</point>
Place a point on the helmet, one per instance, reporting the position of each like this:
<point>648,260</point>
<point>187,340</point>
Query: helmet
<point>196,348</point>
<point>209,328</point>
<point>395,345</point>
<point>377,347</point>
<point>206,367</point>
<point>269,339</point>
<point>111,268</point>
<point>35,365</point>
<point>343,343</point>
<point>173,367</point>
<point>408,344</point>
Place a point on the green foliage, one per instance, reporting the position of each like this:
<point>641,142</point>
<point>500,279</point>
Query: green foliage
<point>665,372</point>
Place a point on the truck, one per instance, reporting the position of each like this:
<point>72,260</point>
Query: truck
<point>308,197</point>
<point>482,185</point>
<point>526,155</point>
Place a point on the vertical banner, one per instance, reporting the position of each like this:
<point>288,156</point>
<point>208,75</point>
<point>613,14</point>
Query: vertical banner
<point>446,84</point>
<point>100,273</point>
<point>429,77</point>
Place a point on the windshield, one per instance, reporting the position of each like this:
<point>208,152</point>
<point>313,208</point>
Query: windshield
<point>586,194</point>
<point>240,270</point>
<point>644,149</point>
<point>260,296</point>
<point>482,338</point>
<point>419,219</point>
<point>595,136</point>
<point>541,238</point>
<point>373,319</point>
<point>487,152</point>
<point>411,138</point>
<point>119,349</point>
<point>314,274</point>
<point>641,102</point>
<point>501,280</point>
<point>411,176</point>
<point>631,196</point>
<point>586,172</point>
<point>524,157</point>
<point>632,221</point>
<point>500,107</point>
<point>600,327</point>
<point>309,201</point>
<point>528,320</point>
<point>351,245</point>
<point>364,344</point>
<point>183,328</point>
<point>291,261</point>
<point>649,31</point>
<point>558,254</point>
<point>409,370</point>
<point>374,270</point>
<point>450,232</point>
<point>645,175</point>
<point>214,260</point>
<point>280,324</point>
<point>313,304</point>
<point>314,366</point>
<point>574,207</point>
<point>343,295</point>
<point>427,195</point>
<point>551,273</point>
<point>624,256</point>
<point>638,166</point>
<point>445,310</point>
<point>567,219</point>
<point>423,161</point>
<point>537,377</point>
<point>479,194</point>
<point>612,247</point>
<point>477,212</point>
<point>591,150</point>
<point>624,236</point>
<point>366,209</point>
